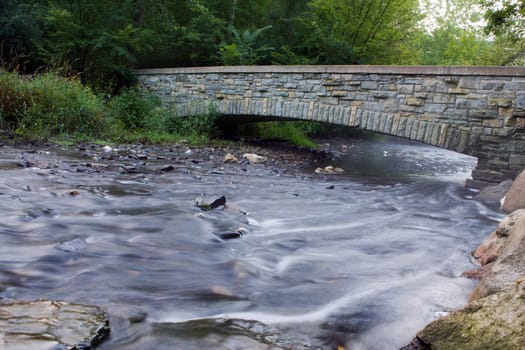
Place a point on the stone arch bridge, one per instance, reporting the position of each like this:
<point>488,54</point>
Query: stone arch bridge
<point>478,111</point>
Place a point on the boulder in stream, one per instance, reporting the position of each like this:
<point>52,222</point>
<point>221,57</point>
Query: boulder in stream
<point>209,203</point>
<point>57,325</point>
<point>233,334</point>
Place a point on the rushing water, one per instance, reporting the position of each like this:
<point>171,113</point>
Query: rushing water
<point>362,260</point>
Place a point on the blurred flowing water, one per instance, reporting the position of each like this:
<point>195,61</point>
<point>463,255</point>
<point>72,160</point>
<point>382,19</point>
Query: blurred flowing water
<point>362,260</point>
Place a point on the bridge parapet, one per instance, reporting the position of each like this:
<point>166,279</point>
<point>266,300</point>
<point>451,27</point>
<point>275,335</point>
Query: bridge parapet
<point>473,110</point>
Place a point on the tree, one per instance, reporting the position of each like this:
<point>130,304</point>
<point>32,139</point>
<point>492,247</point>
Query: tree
<point>453,35</point>
<point>506,21</point>
<point>245,49</point>
<point>20,26</point>
<point>96,39</point>
<point>361,31</point>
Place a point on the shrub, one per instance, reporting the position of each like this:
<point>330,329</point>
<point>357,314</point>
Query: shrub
<point>48,104</point>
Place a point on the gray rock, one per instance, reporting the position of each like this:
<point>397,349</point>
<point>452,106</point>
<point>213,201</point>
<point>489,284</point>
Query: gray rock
<point>515,198</point>
<point>44,325</point>
<point>232,334</point>
<point>210,203</point>
<point>73,245</point>
<point>491,196</point>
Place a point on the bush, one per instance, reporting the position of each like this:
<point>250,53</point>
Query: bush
<point>295,132</point>
<point>48,104</point>
<point>132,109</point>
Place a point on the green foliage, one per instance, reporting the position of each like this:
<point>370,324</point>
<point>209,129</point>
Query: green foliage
<point>133,110</point>
<point>246,48</point>
<point>505,20</point>
<point>96,39</point>
<point>48,104</point>
<point>20,26</point>
<point>295,132</point>
<point>355,31</point>
<point>451,45</point>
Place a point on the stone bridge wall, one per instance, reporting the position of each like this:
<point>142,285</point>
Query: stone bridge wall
<point>473,110</point>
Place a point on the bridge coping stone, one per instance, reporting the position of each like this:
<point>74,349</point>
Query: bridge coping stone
<point>474,72</point>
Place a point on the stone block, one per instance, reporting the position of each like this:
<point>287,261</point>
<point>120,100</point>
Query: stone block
<point>482,113</point>
<point>517,161</point>
<point>458,91</point>
<point>435,108</point>
<point>443,135</point>
<point>406,89</point>
<point>328,100</point>
<point>339,93</point>
<point>408,128</point>
<point>383,95</point>
<point>369,85</point>
<point>520,101</point>
<point>472,102</point>
<point>469,82</point>
<point>421,131</point>
<point>515,85</point>
<point>500,102</point>
<point>505,131</point>
<point>492,123</point>
<point>492,85</point>
<point>414,101</point>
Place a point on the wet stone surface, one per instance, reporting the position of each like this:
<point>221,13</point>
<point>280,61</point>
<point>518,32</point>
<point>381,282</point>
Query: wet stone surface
<point>46,325</point>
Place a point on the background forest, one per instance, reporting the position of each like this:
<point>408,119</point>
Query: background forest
<point>100,42</point>
<point>104,39</point>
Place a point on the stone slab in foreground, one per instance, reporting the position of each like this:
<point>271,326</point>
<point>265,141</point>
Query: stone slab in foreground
<point>51,325</point>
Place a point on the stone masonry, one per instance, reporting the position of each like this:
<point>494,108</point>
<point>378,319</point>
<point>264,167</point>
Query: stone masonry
<point>478,111</point>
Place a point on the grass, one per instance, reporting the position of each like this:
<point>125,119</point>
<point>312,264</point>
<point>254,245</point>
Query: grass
<point>293,132</point>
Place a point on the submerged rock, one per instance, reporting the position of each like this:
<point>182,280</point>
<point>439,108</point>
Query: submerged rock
<point>232,334</point>
<point>73,245</point>
<point>44,325</point>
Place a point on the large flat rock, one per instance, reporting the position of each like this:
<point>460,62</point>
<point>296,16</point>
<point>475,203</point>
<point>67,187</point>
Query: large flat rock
<point>51,325</point>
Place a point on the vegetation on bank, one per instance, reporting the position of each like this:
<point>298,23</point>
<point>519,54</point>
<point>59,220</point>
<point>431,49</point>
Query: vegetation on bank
<point>48,105</point>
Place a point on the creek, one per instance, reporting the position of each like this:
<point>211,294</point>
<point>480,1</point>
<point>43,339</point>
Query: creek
<point>362,259</point>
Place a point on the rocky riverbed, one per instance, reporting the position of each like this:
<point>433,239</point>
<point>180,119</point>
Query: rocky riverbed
<point>136,227</point>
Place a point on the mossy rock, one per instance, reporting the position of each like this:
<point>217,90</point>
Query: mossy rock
<point>496,322</point>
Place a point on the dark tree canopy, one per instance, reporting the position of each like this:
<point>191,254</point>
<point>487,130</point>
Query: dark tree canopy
<point>103,40</point>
